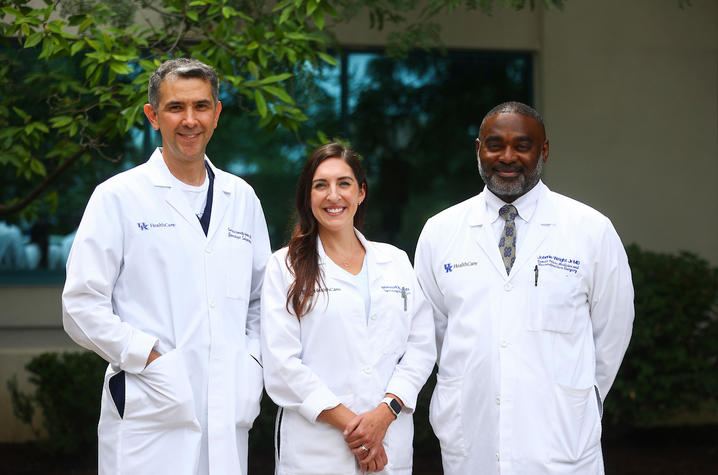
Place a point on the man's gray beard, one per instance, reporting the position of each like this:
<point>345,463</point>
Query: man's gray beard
<point>517,188</point>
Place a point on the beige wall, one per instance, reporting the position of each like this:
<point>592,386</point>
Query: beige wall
<point>30,324</point>
<point>629,92</point>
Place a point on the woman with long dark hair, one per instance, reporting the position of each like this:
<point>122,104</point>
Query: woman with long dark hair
<point>347,335</point>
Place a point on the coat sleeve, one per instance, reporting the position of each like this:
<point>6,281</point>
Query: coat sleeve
<point>424,265</point>
<point>92,269</point>
<point>288,381</point>
<point>260,255</point>
<point>612,311</point>
<point>418,360</point>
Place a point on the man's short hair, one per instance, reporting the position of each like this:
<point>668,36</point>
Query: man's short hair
<point>513,107</point>
<point>183,68</point>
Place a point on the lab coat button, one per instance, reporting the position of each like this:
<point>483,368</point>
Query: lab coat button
<point>367,370</point>
<point>504,343</point>
<point>508,286</point>
<point>497,456</point>
<point>373,316</point>
<point>208,250</point>
<point>498,400</point>
<point>211,303</point>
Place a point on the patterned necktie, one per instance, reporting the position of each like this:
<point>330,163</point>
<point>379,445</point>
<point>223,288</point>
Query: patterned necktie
<point>507,243</point>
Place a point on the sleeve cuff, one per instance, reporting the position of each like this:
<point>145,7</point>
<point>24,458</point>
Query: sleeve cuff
<point>405,392</point>
<point>141,345</point>
<point>318,401</point>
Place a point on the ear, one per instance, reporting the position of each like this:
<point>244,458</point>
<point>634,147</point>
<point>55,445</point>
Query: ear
<point>362,192</point>
<point>544,150</point>
<point>478,144</point>
<point>218,107</point>
<point>151,115</point>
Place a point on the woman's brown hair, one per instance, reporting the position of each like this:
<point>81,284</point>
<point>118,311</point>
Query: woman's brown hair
<point>303,258</point>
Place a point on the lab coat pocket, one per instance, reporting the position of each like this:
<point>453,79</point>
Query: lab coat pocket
<point>554,302</point>
<point>249,389</point>
<point>160,397</point>
<point>445,414</point>
<point>398,443</point>
<point>313,448</point>
<point>577,426</point>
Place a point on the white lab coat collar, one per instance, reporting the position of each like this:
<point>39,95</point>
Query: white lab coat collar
<point>374,257</point>
<point>535,204</point>
<point>161,176</point>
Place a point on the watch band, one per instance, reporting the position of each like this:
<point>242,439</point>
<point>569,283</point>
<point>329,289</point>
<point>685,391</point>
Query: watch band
<point>393,404</point>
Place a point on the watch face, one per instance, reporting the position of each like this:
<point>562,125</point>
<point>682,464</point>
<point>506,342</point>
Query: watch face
<point>395,406</point>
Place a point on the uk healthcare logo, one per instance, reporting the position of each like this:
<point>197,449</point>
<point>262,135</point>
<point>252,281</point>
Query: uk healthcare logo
<point>143,226</point>
<point>448,267</point>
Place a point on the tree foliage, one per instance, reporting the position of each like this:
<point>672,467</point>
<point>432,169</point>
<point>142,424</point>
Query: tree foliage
<point>73,74</point>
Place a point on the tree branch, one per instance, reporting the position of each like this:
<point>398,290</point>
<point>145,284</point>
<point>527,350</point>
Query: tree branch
<point>6,210</point>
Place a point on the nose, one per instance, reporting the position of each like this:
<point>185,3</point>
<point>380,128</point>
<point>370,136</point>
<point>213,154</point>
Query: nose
<point>508,155</point>
<point>333,193</point>
<point>190,118</point>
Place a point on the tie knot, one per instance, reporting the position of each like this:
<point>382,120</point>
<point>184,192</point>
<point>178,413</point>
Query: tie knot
<point>508,212</point>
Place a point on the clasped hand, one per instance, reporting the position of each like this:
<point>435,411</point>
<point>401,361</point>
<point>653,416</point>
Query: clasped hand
<point>367,431</point>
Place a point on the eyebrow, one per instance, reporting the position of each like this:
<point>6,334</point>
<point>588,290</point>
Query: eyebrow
<point>496,138</point>
<point>340,178</point>
<point>179,103</point>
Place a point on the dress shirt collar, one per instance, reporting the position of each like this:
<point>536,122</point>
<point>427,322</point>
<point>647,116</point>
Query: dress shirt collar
<point>525,204</point>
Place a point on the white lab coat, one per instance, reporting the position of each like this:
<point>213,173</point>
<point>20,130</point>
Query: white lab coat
<point>524,364</point>
<point>142,273</point>
<point>335,355</point>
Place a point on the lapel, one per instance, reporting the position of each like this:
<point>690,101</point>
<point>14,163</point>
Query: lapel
<point>221,199</point>
<point>536,230</point>
<point>480,223</point>
<point>375,260</point>
<point>161,177</point>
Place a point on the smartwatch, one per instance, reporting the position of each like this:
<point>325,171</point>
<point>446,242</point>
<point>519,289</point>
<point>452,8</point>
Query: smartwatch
<point>393,405</point>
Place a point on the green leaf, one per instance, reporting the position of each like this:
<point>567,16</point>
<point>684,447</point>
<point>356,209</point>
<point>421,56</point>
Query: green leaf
<point>279,92</point>
<point>276,78</point>
<point>285,14</point>
<point>25,116</point>
<point>60,121</point>
<point>33,39</point>
<point>41,127</point>
<point>311,7</point>
<point>262,56</point>
<point>120,68</point>
<point>328,58</point>
<point>319,19</point>
<point>228,11</point>
<point>292,35</point>
<point>38,167</point>
<point>192,15</point>
<point>253,69</point>
<point>76,47</point>
<point>285,3</point>
<point>261,103</point>
<point>86,24</point>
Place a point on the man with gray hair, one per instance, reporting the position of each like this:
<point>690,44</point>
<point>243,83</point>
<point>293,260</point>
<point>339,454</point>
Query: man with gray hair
<point>163,281</point>
<point>533,309</point>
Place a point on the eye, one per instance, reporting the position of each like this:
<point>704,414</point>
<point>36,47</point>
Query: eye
<point>493,147</point>
<point>523,147</point>
<point>345,183</point>
<point>319,186</point>
<point>202,107</point>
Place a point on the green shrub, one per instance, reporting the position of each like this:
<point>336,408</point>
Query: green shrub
<point>671,365</point>
<point>68,390</point>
